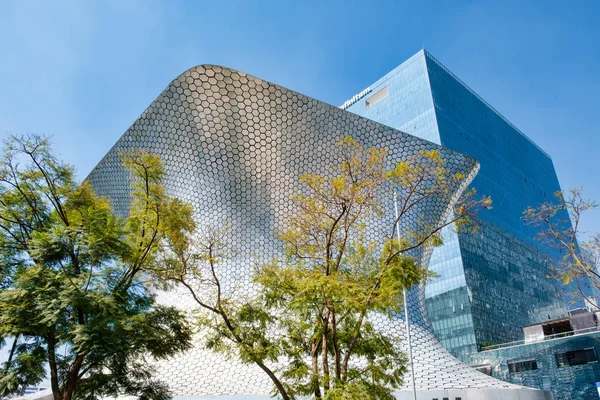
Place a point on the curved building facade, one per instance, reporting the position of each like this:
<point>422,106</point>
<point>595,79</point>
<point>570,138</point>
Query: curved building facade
<point>234,146</point>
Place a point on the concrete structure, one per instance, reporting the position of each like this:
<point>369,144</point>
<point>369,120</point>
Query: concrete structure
<point>235,145</point>
<point>565,364</point>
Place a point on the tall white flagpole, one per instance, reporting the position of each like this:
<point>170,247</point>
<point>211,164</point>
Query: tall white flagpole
<point>410,357</point>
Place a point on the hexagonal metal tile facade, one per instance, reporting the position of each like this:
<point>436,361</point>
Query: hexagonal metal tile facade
<point>235,146</point>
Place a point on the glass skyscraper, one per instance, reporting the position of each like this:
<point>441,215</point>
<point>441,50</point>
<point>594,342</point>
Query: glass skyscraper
<point>491,283</point>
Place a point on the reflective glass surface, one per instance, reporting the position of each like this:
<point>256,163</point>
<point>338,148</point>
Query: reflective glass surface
<point>492,283</point>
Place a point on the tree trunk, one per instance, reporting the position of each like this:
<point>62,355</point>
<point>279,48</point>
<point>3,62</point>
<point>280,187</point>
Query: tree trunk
<point>12,352</point>
<point>238,340</point>
<point>53,367</point>
<point>73,378</point>
<point>336,347</point>
<point>351,346</point>
<point>324,359</point>
<point>315,368</point>
<point>276,381</point>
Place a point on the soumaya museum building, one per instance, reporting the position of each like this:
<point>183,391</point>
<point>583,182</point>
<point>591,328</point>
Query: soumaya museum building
<point>490,326</point>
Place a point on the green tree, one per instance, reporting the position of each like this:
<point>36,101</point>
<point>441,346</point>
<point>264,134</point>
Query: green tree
<point>559,222</point>
<point>75,295</point>
<point>311,327</point>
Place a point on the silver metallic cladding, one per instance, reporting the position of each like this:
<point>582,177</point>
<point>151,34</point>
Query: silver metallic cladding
<point>235,146</point>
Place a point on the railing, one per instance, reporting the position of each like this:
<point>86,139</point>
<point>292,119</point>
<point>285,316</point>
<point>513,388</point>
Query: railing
<point>549,337</point>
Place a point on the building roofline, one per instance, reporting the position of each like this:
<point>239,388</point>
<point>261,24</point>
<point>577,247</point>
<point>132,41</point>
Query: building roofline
<point>426,53</point>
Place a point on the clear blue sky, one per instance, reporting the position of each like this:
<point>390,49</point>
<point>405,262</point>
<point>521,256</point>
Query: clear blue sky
<point>83,71</point>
